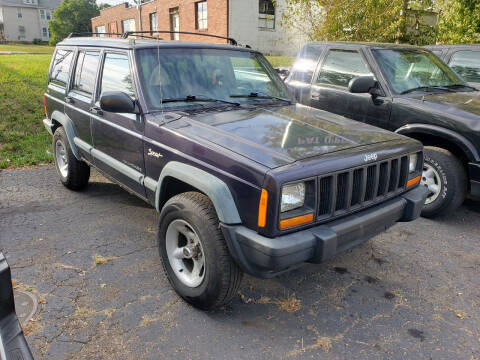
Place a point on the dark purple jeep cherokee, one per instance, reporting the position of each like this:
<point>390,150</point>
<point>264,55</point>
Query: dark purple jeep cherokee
<point>245,179</point>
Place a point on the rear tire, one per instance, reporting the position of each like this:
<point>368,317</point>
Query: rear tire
<point>194,253</point>
<point>74,173</point>
<point>446,179</point>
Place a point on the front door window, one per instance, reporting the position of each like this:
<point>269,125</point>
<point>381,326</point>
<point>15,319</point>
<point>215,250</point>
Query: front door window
<point>341,66</point>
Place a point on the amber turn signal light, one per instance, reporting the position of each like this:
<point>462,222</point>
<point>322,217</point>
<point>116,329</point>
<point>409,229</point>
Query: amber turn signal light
<point>296,221</point>
<point>413,181</point>
<point>262,209</point>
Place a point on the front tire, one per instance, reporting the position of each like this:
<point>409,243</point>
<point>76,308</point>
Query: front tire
<point>74,174</point>
<point>194,254</point>
<point>445,178</point>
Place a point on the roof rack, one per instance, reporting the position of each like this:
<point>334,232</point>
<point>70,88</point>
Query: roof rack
<point>126,34</point>
<point>78,34</point>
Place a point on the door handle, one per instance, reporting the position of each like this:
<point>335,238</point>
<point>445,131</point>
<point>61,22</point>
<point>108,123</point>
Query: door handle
<point>96,110</point>
<point>69,100</point>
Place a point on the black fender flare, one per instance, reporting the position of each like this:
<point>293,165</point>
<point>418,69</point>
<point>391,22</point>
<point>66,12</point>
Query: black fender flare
<point>67,124</point>
<point>463,143</point>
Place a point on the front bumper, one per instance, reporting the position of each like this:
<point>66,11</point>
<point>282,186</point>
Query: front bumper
<point>266,257</point>
<point>474,174</point>
<point>48,125</point>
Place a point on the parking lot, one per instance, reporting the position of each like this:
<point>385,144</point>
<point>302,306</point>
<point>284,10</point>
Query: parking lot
<point>91,258</point>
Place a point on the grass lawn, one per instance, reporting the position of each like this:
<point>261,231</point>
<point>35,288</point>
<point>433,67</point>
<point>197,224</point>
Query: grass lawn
<point>23,138</point>
<point>27,48</point>
<point>277,61</point>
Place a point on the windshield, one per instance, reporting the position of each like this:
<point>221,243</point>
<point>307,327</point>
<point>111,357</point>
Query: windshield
<point>183,77</point>
<point>410,69</point>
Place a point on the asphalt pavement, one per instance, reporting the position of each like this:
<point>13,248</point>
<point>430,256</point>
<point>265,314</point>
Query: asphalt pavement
<point>91,259</point>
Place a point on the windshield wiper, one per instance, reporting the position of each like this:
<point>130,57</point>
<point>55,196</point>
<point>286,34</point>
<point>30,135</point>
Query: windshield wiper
<point>259,95</point>
<point>193,98</point>
<point>456,86</point>
<point>427,88</point>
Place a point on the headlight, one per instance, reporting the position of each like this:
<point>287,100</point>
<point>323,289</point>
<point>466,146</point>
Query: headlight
<point>293,196</point>
<point>413,163</point>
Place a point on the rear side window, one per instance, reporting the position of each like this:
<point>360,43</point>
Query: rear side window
<point>116,74</point>
<point>466,63</point>
<point>61,66</point>
<point>85,71</point>
<point>341,66</point>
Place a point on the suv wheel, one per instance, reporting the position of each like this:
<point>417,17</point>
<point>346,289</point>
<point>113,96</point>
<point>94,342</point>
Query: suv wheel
<point>194,253</point>
<point>73,173</point>
<point>445,178</point>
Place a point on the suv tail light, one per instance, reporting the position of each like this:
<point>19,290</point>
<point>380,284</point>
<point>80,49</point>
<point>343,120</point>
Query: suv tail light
<point>45,105</point>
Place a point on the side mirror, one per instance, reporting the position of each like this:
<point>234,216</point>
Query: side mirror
<point>117,101</point>
<point>363,85</point>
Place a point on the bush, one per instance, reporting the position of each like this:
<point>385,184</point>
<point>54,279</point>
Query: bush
<point>37,41</point>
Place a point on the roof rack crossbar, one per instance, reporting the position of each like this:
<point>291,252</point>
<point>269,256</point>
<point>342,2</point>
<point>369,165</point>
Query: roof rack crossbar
<point>77,34</point>
<point>126,34</point>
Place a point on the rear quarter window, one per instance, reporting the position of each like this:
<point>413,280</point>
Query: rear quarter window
<point>61,67</point>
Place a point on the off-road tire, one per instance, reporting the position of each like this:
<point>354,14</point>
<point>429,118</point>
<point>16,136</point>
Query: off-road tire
<point>222,276</point>
<point>453,181</point>
<point>78,171</point>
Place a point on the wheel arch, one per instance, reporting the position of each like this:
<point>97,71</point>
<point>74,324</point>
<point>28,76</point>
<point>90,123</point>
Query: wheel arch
<point>188,178</point>
<point>431,135</point>
<point>60,119</point>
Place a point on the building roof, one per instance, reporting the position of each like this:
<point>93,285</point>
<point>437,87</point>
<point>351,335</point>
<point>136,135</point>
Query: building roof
<point>42,4</point>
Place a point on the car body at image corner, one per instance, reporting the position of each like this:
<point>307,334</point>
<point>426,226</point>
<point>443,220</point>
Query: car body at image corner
<point>245,179</point>
<point>13,345</point>
<point>405,89</point>
<point>464,59</point>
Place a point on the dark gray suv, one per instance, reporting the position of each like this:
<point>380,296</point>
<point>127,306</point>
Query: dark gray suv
<point>245,179</point>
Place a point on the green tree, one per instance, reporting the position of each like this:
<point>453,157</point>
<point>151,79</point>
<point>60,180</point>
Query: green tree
<point>103,6</point>
<point>459,21</point>
<point>72,16</point>
<point>359,20</point>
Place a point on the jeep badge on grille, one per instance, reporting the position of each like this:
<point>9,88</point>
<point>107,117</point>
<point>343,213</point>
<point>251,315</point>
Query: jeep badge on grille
<point>370,157</point>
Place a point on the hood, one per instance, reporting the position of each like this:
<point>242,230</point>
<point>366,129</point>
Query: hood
<point>464,104</point>
<point>276,136</point>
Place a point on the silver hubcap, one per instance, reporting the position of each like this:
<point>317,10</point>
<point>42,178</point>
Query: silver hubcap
<point>432,181</point>
<point>61,158</point>
<point>185,253</point>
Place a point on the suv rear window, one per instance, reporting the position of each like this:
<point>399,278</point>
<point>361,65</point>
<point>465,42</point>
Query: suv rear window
<point>61,66</point>
<point>85,72</point>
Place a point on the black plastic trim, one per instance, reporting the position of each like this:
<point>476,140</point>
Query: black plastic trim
<point>265,257</point>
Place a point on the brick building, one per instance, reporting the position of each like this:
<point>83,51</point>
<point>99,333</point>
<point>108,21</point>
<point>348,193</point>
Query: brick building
<point>253,22</point>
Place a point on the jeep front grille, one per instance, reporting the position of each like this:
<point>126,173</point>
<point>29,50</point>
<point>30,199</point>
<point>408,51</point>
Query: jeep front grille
<point>349,190</point>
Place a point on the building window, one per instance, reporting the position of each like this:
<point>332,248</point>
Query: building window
<point>21,32</point>
<point>49,15</point>
<point>45,32</point>
<point>42,14</point>
<point>128,25</point>
<point>100,30</point>
<point>19,13</point>
<point>201,15</point>
<point>266,14</point>
<point>174,23</point>
<point>154,21</point>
